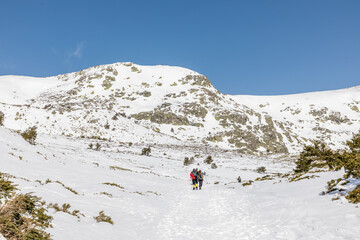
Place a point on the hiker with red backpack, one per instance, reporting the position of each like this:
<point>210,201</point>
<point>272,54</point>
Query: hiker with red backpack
<point>194,178</point>
<point>197,178</point>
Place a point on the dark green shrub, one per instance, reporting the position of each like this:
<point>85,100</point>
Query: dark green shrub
<point>320,156</point>
<point>248,183</point>
<point>2,117</point>
<point>354,195</point>
<point>146,151</point>
<point>30,135</point>
<point>261,169</point>
<point>351,158</point>
<point>7,188</point>
<point>208,160</point>
<point>24,217</point>
<point>188,161</point>
<point>97,147</point>
<point>332,184</point>
<point>66,207</point>
<point>213,166</point>
<point>103,218</point>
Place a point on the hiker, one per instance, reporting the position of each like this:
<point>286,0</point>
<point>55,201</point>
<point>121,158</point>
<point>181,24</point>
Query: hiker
<point>201,178</point>
<point>193,176</point>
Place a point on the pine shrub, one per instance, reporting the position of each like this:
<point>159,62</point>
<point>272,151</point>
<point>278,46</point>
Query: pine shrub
<point>7,188</point>
<point>354,195</point>
<point>115,117</point>
<point>261,169</point>
<point>188,161</point>
<point>208,160</point>
<point>320,156</point>
<point>146,151</point>
<point>22,216</point>
<point>30,135</point>
<point>213,166</point>
<point>103,218</point>
<point>2,118</point>
<point>97,147</point>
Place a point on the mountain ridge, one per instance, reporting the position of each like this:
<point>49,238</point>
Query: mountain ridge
<point>127,102</point>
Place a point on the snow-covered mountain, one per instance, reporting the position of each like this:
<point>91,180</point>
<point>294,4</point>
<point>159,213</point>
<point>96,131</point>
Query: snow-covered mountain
<point>126,102</point>
<point>125,107</point>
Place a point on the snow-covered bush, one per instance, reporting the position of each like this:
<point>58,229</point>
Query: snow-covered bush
<point>30,135</point>
<point>213,166</point>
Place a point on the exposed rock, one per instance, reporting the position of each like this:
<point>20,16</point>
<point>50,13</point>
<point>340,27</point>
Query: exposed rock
<point>162,117</point>
<point>228,118</point>
<point>199,80</point>
<point>319,113</point>
<point>194,109</point>
<point>145,93</point>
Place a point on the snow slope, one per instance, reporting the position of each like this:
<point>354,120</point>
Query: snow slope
<point>154,199</point>
<point>19,89</point>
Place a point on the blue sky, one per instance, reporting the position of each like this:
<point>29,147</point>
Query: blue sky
<point>255,47</point>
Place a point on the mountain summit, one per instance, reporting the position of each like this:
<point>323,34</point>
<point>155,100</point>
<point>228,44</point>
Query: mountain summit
<point>127,102</point>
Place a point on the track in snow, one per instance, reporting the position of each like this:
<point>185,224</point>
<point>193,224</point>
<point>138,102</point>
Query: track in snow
<point>212,213</point>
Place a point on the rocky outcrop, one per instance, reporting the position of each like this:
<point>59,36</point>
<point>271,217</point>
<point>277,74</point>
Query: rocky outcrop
<point>162,117</point>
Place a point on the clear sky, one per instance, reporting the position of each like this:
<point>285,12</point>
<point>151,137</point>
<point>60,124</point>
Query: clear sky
<point>255,47</point>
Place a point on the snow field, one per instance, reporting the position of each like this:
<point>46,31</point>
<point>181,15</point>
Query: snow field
<point>155,199</point>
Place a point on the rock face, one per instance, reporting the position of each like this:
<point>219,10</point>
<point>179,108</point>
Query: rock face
<point>126,102</point>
